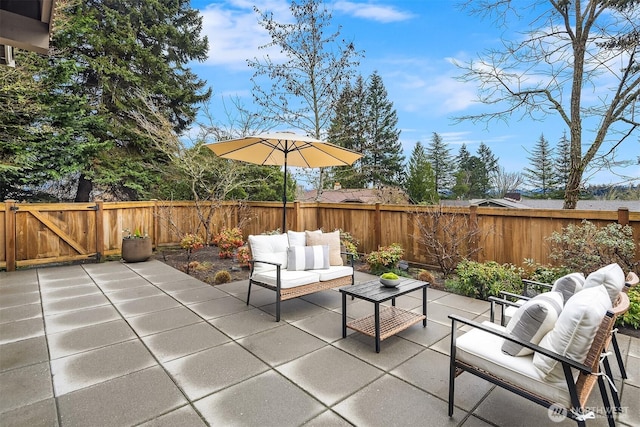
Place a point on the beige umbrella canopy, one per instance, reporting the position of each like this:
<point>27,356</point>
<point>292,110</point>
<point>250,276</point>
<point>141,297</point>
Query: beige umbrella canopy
<point>284,149</point>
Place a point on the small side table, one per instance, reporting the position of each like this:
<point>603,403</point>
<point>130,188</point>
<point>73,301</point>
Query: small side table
<point>390,320</point>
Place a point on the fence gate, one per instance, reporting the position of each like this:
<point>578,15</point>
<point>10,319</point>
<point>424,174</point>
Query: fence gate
<point>48,233</point>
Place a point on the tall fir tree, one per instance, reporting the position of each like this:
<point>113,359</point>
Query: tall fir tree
<point>540,176</point>
<point>442,163</point>
<point>463,157</point>
<point>491,169</point>
<point>348,129</point>
<point>117,56</point>
<point>421,182</point>
<point>383,160</point>
<point>562,162</point>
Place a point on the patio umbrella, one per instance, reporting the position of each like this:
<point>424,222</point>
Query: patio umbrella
<point>284,149</point>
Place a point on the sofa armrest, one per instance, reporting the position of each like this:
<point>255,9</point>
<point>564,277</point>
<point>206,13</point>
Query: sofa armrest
<point>536,348</point>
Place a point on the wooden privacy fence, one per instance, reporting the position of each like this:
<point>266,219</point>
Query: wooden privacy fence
<point>45,233</point>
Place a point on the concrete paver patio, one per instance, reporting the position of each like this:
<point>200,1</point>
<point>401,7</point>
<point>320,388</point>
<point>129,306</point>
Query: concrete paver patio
<point>118,344</point>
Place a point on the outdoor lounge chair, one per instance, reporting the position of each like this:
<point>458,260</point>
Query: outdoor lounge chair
<point>560,380</point>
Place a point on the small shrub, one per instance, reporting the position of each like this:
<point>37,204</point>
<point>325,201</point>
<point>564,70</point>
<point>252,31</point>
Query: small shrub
<point>350,243</point>
<point>384,259</point>
<point>191,243</point>
<point>481,280</point>
<point>632,317</point>
<point>586,248</point>
<point>222,276</point>
<point>426,276</point>
<point>228,240</point>
<point>243,256</point>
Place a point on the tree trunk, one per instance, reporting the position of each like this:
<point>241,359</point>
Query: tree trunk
<point>572,190</point>
<point>84,189</point>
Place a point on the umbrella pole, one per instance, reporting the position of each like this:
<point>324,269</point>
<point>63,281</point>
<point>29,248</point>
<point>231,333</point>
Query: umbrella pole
<point>284,196</point>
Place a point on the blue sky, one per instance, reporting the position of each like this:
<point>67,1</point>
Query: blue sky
<point>412,45</point>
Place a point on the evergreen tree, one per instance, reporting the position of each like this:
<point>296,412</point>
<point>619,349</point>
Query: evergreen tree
<point>490,169</point>
<point>472,178</point>
<point>421,182</point>
<point>114,55</point>
<point>463,157</point>
<point>441,163</point>
<point>562,162</point>
<point>541,175</point>
<point>383,159</point>
<point>348,129</point>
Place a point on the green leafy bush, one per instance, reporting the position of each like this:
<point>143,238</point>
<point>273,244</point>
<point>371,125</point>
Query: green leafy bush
<point>632,316</point>
<point>480,280</point>
<point>350,243</point>
<point>586,248</point>
<point>543,273</point>
<point>384,259</point>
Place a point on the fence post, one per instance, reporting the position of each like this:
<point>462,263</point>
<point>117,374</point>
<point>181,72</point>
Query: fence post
<point>155,230</point>
<point>377,228</point>
<point>296,215</point>
<point>99,230</point>
<point>473,231</point>
<point>10,233</point>
<point>623,216</point>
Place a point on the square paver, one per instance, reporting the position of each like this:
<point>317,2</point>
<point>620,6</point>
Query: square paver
<point>392,402</point>
<point>111,284</point>
<point>14,300</point>
<point>262,403</point>
<point>164,320</point>
<point>20,312</point>
<point>92,367</point>
<point>200,294</point>
<point>245,323</point>
<point>128,294</point>
<point>73,304</point>
<point>211,370</point>
<point>80,318</point>
<point>23,353</point>
<point>21,330</point>
<point>146,305</point>
<point>177,284</point>
<point>91,337</point>
<point>282,344</point>
<point>24,386</point>
<point>329,374</point>
<point>179,342</point>
<point>73,292</point>
<point>327,326</point>
<point>127,400</point>
<point>394,350</point>
<point>38,414</point>
<point>182,417</point>
<point>219,307</point>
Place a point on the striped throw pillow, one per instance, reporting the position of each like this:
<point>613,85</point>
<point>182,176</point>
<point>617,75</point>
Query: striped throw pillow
<point>308,257</point>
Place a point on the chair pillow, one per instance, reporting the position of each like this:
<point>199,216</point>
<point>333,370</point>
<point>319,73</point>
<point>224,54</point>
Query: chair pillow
<point>611,276</point>
<point>574,331</point>
<point>308,257</point>
<point>532,321</point>
<point>569,285</point>
<point>269,247</point>
<point>299,238</point>
<point>332,239</point>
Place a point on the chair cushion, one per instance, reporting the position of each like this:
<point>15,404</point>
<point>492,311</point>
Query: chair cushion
<point>288,278</point>
<point>532,321</point>
<point>569,285</point>
<point>299,238</point>
<point>308,257</point>
<point>334,272</point>
<point>483,350</point>
<point>611,276</point>
<point>269,247</point>
<point>332,239</point>
<point>574,331</point>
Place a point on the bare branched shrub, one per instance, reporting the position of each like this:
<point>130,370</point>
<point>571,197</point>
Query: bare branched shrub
<point>447,236</point>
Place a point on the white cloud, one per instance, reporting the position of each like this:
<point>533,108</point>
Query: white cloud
<point>235,34</point>
<point>374,12</point>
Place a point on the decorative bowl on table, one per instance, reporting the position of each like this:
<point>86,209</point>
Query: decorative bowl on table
<point>390,283</point>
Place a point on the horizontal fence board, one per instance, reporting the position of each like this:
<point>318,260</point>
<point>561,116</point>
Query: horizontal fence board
<point>43,233</point>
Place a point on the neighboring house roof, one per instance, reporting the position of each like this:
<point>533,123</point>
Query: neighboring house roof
<point>362,195</point>
<point>602,205</point>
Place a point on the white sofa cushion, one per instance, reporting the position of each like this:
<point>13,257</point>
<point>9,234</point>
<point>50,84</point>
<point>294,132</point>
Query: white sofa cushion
<point>271,248</point>
<point>288,279</point>
<point>532,321</point>
<point>569,285</point>
<point>308,257</point>
<point>574,331</point>
<point>611,276</point>
<point>483,350</point>
<point>334,272</point>
<point>332,239</point>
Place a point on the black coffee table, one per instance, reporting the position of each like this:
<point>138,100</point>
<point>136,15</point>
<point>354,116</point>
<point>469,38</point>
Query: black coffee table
<point>387,321</point>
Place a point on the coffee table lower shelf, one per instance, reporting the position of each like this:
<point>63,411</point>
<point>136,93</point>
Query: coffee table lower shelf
<point>392,321</point>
